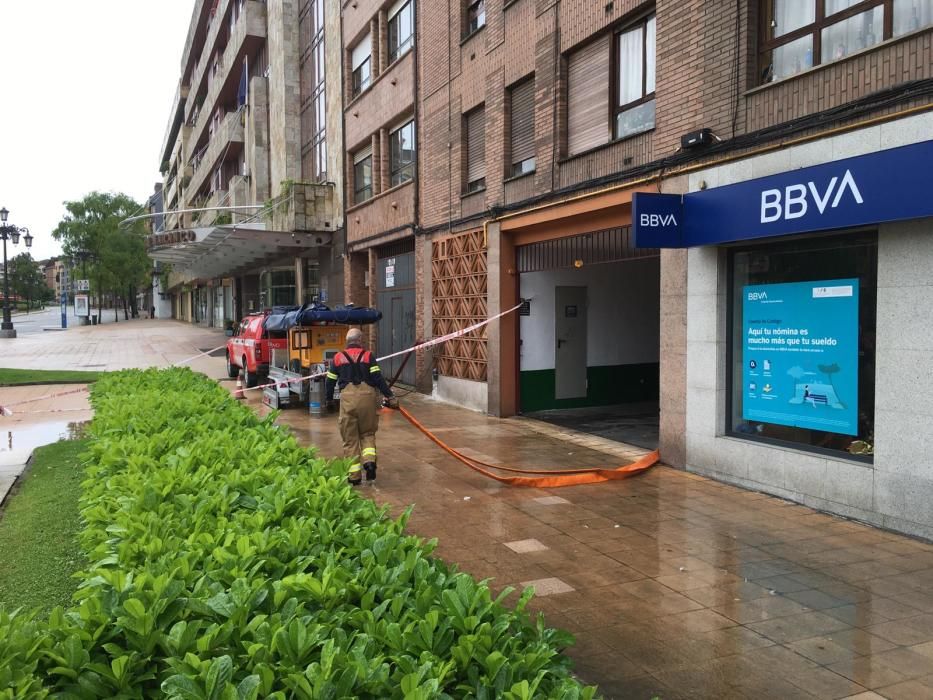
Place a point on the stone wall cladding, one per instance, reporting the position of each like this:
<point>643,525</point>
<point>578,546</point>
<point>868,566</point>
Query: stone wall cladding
<point>284,92</point>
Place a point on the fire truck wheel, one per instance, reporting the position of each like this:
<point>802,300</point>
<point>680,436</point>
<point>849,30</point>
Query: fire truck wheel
<point>232,369</point>
<point>250,377</point>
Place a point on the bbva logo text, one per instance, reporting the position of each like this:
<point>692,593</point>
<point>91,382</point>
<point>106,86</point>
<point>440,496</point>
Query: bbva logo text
<point>794,201</point>
<point>757,296</point>
<point>655,220</point>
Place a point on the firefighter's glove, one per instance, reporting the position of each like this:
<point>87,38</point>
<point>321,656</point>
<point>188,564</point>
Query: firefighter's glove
<point>390,402</point>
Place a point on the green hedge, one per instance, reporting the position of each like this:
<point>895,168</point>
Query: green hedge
<point>231,563</point>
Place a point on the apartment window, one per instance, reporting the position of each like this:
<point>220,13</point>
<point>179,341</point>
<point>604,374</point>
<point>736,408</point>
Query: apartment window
<point>475,16</point>
<point>522,128</point>
<point>588,96</point>
<point>402,154</point>
<point>401,29</point>
<point>360,59</point>
<point>799,34</point>
<point>475,130</point>
<point>635,71</point>
<point>362,175</point>
<point>318,100</point>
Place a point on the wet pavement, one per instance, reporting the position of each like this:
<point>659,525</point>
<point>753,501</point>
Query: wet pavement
<point>52,413</point>
<point>112,346</point>
<point>635,424</point>
<point>676,586</point>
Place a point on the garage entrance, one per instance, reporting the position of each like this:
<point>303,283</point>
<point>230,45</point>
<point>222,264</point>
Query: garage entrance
<point>589,334</point>
<point>395,297</point>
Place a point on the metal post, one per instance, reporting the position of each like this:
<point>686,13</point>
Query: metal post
<point>7,319</point>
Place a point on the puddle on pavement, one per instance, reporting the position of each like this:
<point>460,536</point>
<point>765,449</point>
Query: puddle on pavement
<point>32,435</point>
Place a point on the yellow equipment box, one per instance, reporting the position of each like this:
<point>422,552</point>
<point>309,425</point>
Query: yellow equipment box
<point>310,345</point>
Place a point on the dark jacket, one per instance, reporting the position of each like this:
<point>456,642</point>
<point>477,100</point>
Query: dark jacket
<point>355,366</point>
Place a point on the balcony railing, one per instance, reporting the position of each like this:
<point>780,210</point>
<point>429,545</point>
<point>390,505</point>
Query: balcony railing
<point>230,131</point>
<point>252,22</point>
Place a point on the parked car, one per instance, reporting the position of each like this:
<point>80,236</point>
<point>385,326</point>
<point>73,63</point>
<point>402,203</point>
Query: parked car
<point>250,348</point>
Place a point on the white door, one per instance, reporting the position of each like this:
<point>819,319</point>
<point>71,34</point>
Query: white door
<point>570,343</point>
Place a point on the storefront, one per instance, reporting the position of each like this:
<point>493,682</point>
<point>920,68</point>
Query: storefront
<point>809,321</point>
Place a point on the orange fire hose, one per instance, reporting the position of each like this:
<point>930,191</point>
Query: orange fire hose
<point>554,478</point>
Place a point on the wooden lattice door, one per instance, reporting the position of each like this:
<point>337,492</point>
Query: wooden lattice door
<point>458,280</point>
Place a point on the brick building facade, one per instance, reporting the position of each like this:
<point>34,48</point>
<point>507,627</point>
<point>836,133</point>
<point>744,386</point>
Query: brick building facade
<point>616,85</point>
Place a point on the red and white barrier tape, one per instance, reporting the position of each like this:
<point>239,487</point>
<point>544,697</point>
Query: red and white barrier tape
<point>5,410</point>
<point>413,348</point>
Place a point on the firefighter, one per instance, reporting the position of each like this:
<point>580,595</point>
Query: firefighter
<point>355,371</point>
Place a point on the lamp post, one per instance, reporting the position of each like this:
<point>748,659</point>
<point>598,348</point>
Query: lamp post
<point>11,232</point>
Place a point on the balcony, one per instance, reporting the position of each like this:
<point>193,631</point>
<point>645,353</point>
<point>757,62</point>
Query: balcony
<point>306,207</point>
<point>247,35</point>
<point>218,198</point>
<point>210,45</point>
<point>227,141</point>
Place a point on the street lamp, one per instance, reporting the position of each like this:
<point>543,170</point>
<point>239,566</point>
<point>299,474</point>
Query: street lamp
<point>11,232</point>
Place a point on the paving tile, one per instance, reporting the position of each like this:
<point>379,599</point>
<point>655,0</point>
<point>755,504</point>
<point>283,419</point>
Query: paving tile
<point>551,501</point>
<point>525,546</point>
<point>548,586</point>
<point>867,671</point>
<point>899,633</point>
<point>794,627</point>
<point>860,642</point>
<point>908,663</point>
<point>823,650</point>
<point>908,690</point>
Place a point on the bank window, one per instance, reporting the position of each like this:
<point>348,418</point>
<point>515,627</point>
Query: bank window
<point>401,29</point>
<point>799,34</point>
<point>402,154</point>
<point>635,70</point>
<point>802,350</point>
<point>475,131</point>
<point>362,176</point>
<point>475,16</point>
<point>360,65</point>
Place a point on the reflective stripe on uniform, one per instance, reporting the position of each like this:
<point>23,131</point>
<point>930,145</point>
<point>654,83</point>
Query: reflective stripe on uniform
<point>369,451</point>
<point>354,469</point>
<point>374,368</point>
<point>331,375</point>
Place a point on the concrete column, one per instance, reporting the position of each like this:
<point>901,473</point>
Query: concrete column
<point>299,280</point>
<point>673,357</point>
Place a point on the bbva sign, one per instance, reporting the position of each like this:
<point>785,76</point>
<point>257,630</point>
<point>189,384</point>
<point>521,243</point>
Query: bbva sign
<point>794,202</point>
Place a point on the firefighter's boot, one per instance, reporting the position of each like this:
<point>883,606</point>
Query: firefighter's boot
<point>355,477</point>
<point>370,469</point>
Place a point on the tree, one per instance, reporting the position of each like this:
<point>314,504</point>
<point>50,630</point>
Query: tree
<point>26,279</point>
<point>115,256</point>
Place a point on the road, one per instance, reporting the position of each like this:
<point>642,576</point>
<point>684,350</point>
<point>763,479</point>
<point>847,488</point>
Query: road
<point>35,321</point>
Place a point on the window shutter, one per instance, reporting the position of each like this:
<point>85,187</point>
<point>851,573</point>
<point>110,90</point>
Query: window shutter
<point>361,52</point>
<point>588,97</point>
<point>523,121</point>
<point>476,144</point>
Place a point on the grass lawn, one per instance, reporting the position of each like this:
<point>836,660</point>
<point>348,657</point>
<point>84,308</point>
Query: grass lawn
<point>16,377</point>
<point>38,531</point>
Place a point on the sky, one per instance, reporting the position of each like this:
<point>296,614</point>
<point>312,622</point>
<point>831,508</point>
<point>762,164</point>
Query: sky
<point>85,94</point>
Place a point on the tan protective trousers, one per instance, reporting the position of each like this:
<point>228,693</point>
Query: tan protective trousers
<point>359,421</point>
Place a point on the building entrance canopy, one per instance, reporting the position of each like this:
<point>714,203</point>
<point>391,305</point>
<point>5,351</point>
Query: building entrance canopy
<point>223,251</point>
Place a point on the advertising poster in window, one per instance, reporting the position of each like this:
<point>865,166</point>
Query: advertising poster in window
<point>800,354</point>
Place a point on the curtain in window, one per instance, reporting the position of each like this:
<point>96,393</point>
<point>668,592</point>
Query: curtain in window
<point>650,59</point>
<point>630,66</point>
<point>588,96</point>
<point>788,15</point>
